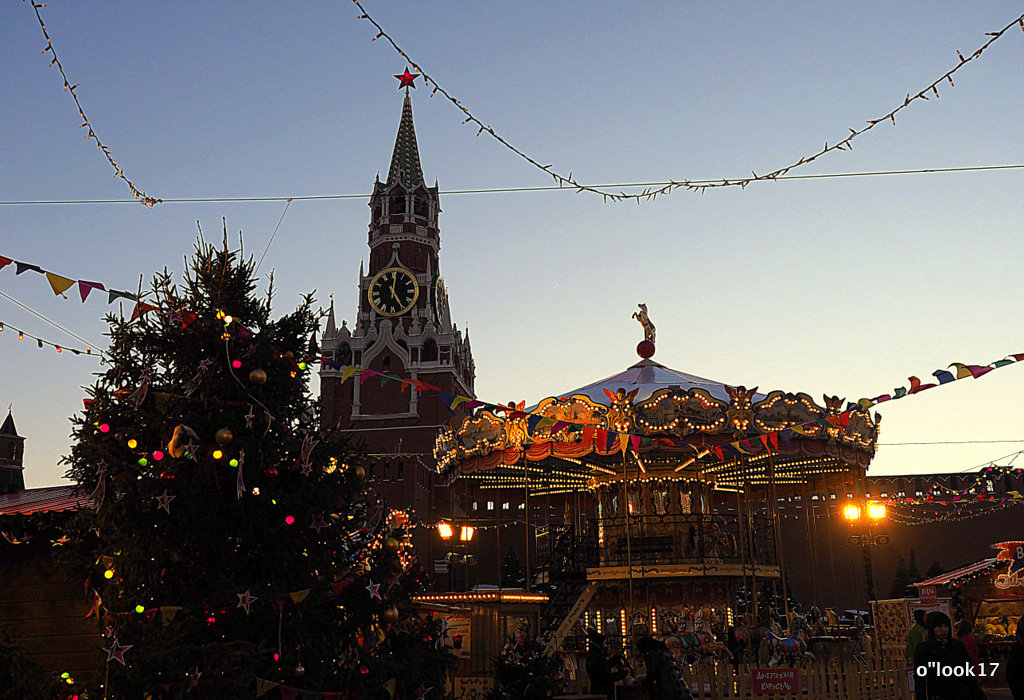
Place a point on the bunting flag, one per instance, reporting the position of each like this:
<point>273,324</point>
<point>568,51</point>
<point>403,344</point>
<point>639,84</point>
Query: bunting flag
<point>59,284</point>
<point>4,262</point>
<point>25,267</point>
<point>85,287</point>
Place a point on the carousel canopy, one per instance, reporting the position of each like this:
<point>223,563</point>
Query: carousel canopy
<point>647,377</point>
<point>654,422</point>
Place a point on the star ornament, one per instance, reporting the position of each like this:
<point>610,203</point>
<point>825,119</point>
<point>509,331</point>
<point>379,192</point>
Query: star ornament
<point>116,651</point>
<point>165,501</point>
<point>407,79</point>
<point>374,589</point>
<point>245,600</point>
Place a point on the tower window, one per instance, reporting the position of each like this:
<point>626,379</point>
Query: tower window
<point>419,206</point>
<point>398,204</point>
<point>429,351</point>
<point>386,362</point>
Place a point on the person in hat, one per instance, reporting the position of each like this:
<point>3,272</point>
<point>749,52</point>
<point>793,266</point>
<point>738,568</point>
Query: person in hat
<point>941,664</point>
<point>599,666</point>
<point>663,680</point>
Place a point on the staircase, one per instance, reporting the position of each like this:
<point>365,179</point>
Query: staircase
<point>563,611</point>
<point>563,575</point>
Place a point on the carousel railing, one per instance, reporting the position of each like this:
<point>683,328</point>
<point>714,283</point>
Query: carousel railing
<point>695,538</point>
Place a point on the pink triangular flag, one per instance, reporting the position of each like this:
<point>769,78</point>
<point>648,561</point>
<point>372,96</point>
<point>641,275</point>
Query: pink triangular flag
<point>85,287</point>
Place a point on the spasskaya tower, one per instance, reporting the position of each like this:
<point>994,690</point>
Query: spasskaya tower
<point>402,328</point>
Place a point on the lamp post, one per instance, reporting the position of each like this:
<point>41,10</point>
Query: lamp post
<point>865,516</point>
<point>446,531</point>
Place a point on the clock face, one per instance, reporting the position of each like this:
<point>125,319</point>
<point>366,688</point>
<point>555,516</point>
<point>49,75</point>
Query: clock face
<point>393,292</point>
<point>440,300</point>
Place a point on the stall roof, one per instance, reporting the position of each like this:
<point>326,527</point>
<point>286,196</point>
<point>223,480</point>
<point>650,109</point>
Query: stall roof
<point>976,567</point>
<point>50,498</point>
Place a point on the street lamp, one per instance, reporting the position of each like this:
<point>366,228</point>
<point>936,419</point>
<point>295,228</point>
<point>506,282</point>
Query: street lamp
<point>446,531</point>
<point>873,512</point>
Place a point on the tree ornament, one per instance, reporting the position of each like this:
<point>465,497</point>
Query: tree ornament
<point>180,440</point>
<point>258,377</point>
<point>224,436</point>
<point>358,473</point>
<point>390,615</point>
<point>391,545</point>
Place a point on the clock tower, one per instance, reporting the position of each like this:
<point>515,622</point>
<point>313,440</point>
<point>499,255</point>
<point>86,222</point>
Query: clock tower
<point>402,328</point>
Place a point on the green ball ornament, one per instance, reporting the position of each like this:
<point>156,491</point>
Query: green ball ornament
<point>391,545</point>
<point>258,377</point>
<point>224,436</point>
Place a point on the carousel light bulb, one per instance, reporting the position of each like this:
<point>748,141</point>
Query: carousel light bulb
<point>233,463</point>
<point>132,443</point>
<point>140,608</point>
<point>217,454</point>
<point>108,574</point>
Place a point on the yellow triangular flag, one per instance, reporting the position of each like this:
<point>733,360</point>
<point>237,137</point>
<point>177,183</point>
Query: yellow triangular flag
<point>299,596</point>
<point>348,372</point>
<point>263,686</point>
<point>623,442</point>
<point>168,612</point>
<point>390,686</point>
<point>59,284</point>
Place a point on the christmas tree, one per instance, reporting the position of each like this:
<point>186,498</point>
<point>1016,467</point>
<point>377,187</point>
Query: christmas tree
<point>235,548</point>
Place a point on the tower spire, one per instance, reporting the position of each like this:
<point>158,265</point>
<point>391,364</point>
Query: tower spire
<point>405,161</point>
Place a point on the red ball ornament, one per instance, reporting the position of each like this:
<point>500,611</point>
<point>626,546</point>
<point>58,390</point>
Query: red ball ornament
<point>364,671</point>
<point>645,349</point>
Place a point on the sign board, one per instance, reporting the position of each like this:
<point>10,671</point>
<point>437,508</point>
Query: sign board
<point>472,686</point>
<point>440,566</point>
<point>928,594</point>
<point>459,635</point>
<point>775,681</point>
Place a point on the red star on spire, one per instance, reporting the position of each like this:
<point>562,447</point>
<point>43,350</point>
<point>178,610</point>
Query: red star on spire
<point>407,79</point>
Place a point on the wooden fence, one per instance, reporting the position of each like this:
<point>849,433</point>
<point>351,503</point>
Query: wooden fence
<point>817,680</point>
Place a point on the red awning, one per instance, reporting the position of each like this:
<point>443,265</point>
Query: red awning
<point>48,499</point>
<point>963,571</point>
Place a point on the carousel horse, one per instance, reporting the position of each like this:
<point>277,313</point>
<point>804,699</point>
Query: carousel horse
<point>789,648</point>
<point>697,639</point>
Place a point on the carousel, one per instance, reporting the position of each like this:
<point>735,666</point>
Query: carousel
<point>669,485</point>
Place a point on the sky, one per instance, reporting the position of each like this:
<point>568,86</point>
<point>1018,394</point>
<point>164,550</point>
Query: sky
<point>844,286</point>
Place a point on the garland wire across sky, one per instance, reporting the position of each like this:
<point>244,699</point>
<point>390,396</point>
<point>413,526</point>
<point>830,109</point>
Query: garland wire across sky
<point>649,192</point>
<point>652,193</point>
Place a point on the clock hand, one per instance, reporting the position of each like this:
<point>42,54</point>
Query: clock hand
<point>394,295</point>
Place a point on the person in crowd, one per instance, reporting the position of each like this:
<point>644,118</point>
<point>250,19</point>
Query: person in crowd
<point>599,666</point>
<point>1015,663</point>
<point>915,635</point>
<point>965,633</point>
<point>936,660</point>
<point>663,680</point>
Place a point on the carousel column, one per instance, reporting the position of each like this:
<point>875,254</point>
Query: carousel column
<point>526,516</point>
<point>778,533</point>
<point>749,526</point>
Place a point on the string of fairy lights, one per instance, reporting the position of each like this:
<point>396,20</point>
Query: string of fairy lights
<point>651,193</point>
<point>137,192</point>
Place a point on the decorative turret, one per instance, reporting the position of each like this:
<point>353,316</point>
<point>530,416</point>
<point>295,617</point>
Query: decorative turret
<point>12,450</point>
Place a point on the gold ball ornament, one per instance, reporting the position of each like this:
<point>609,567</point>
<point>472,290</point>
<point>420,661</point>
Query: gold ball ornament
<point>258,377</point>
<point>224,436</point>
<point>390,615</point>
<point>391,545</point>
<point>358,473</point>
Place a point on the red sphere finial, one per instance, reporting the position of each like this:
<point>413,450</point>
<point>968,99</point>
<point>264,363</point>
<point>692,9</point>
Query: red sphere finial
<point>645,349</point>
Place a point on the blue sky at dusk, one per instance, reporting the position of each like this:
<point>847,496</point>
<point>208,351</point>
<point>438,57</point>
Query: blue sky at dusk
<point>843,286</point>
